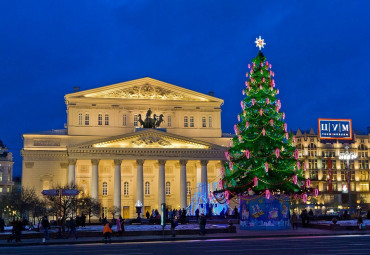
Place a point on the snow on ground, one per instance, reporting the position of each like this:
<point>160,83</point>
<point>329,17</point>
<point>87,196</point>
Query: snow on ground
<point>343,222</point>
<point>99,228</point>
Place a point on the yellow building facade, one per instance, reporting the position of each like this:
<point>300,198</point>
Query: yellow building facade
<point>316,152</point>
<point>106,153</point>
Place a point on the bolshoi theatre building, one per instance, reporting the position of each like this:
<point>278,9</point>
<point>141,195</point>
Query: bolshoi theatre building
<point>143,140</point>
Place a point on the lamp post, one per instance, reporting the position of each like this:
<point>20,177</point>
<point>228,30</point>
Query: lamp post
<point>348,156</point>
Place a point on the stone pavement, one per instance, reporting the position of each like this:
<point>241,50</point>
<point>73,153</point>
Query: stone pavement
<point>240,234</point>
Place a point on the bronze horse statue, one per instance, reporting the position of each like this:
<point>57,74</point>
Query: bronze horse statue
<point>150,122</point>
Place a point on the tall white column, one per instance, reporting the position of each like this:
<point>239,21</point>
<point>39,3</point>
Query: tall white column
<point>140,181</point>
<point>71,172</point>
<point>117,184</point>
<point>161,183</point>
<point>204,179</point>
<point>183,195</point>
<point>95,178</point>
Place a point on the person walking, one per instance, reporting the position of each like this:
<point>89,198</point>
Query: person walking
<point>359,222</point>
<point>202,224</point>
<point>46,226</point>
<point>72,228</point>
<point>294,221</point>
<point>119,226</point>
<point>107,233</point>
<point>174,224</point>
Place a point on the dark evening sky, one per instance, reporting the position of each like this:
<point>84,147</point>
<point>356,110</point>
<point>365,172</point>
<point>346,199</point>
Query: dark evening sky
<point>319,50</point>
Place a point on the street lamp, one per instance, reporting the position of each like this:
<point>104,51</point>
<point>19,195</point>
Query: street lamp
<point>348,156</point>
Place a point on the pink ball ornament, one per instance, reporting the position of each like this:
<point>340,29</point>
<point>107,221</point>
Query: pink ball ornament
<point>255,181</point>
<point>239,117</point>
<point>277,92</point>
<point>254,64</point>
<point>316,192</point>
<point>247,153</point>
<point>304,167</point>
<point>263,132</point>
<point>261,87</point>
<point>277,152</point>
<point>236,129</point>
<point>267,63</point>
<point>304,198</point>
<point>249,66</point>
<point>261,64</point>
<point>272,122</point>
<point>286,136</point>
<point>253,101</point>
<point>283,115</point>
<point>243,92</point>
<point>267,167</point>
<point>298,165</point>
<point>246,74</point>
<point>267,100</point>
<point>227,156</point>
<point>270,72</point>
<point>270,66</point>
<point>308,183</point>
<point>261,71</point>
<point>231,165</point>
<point>296,154</point>
<point>246,83</point>
<point>261,111</point>
<point>247,124</point>
<point>268,194</point>
<point>277,108</point>
<point>295,179</point>
<point>285,127</point>
<point>273,74</point>
<point>240,139</point>
<point>230,143</point>
<point>263,79</point>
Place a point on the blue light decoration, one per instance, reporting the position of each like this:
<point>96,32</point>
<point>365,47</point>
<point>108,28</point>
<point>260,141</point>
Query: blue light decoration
<point>206,203</point>
<point>258,212</point>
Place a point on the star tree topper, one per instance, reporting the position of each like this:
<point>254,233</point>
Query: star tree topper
<point>260,42</point>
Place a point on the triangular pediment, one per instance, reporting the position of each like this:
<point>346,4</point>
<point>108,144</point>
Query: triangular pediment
<point>144,88</point>
<point>150,139</point>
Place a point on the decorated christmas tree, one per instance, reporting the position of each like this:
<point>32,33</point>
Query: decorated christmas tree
<point>262,159</point>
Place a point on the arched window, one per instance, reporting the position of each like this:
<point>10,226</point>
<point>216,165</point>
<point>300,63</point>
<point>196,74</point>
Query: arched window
<point>124,120</point>
<point>105,189</point>
<point>362,147</point>
<point>135,120</point>
<point>107,119</point>
<point>204,121</point>
<point>186,124</point>
<point>125,189</point>
<point>80,119</point>
<point>87,119</point>
<point>100,119</point>
<point>191,121</point>
<point>312,146</point>
<point>147,188</point>
<point>210,121</point>
<point>168,188</point>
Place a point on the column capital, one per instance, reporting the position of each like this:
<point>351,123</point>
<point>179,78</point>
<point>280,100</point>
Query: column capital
<point>204,162</point>
<point>117,162</point>
<point>162,162</point>
<point>95,161</point>
<point>183,162</point>
<point>140,162</point>
<point>72,161</point>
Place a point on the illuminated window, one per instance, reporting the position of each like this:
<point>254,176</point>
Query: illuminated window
<point>204,122</point>
<point>333,164</point>
<point>364,175</point>
<point>188,189</point>
<point>107,119</point>
<point>186,121</point>
<point>87,119</point>
<point>169,119</point>
<point>1,176</point>
<point>313,174</point>
<point>125,189</point>
<point>124,119</point>
<point>147,188</point>
<point>80,119</point>
<point>135,120</point>
<point>364,187</point>
<point>343,175</point>
<point>100,119</point>
<point>191,121</point>
<point>45,185</point>
<point>8,189</point>
<point>105,211</point>
<point>168,188</point>
<point>105,189</point>
<point>210,121</point>
<point>1,190</point>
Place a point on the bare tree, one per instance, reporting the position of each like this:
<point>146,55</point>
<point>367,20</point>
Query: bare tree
<point>114,210</point>
<point>89,206</point>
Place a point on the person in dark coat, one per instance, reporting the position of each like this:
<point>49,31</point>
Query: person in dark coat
<point>202,224</point>
<point>72,228</point>
<point>197,214</point>
<point>46,226</point>
<point>2,224</point>
<point>147,214</point>
<point>174,224</point>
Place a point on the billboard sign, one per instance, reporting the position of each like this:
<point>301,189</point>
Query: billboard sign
<point>50,192</point>
<point>339,129</point>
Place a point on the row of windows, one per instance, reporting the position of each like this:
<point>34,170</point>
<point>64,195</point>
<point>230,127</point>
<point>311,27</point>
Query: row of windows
<point>189,121</point>
<point>364,175</point>
<point>146,188</point>
<point>9,176</point>
<point>362,164</point>
<point>2,189</point>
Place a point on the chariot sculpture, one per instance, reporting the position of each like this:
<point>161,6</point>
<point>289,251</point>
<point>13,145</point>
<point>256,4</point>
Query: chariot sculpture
<point>150,122</point>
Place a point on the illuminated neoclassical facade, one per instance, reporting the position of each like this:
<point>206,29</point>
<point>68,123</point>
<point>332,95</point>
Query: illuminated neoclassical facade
<point>104,151</point>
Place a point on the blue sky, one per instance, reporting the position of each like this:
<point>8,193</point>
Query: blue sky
<point>319,50</point>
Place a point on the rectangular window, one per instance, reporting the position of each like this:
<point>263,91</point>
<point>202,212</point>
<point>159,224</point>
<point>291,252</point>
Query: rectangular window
<point>107,119</point>
<point>125,189</point>
<point>80,119</point>
<point>105,189</point>
<point>191,121</point>
<point>8,189</point>
<point>100,119</point>
<point>135,120</point>
<point>210,121</point>
<point>87,119</point>
<point>169,121</point>
<point>1,176</point>
<point>188,189</point>
<point>168,188</point>
<point>105,211</point>
<point>147,188</point>
<point>333,164</point>
<point>186,121</point>
<point>1,190</point>
<point>343,175</point>
<point>204,122</point>
<point>364,187</point>
<point>124,120</point>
